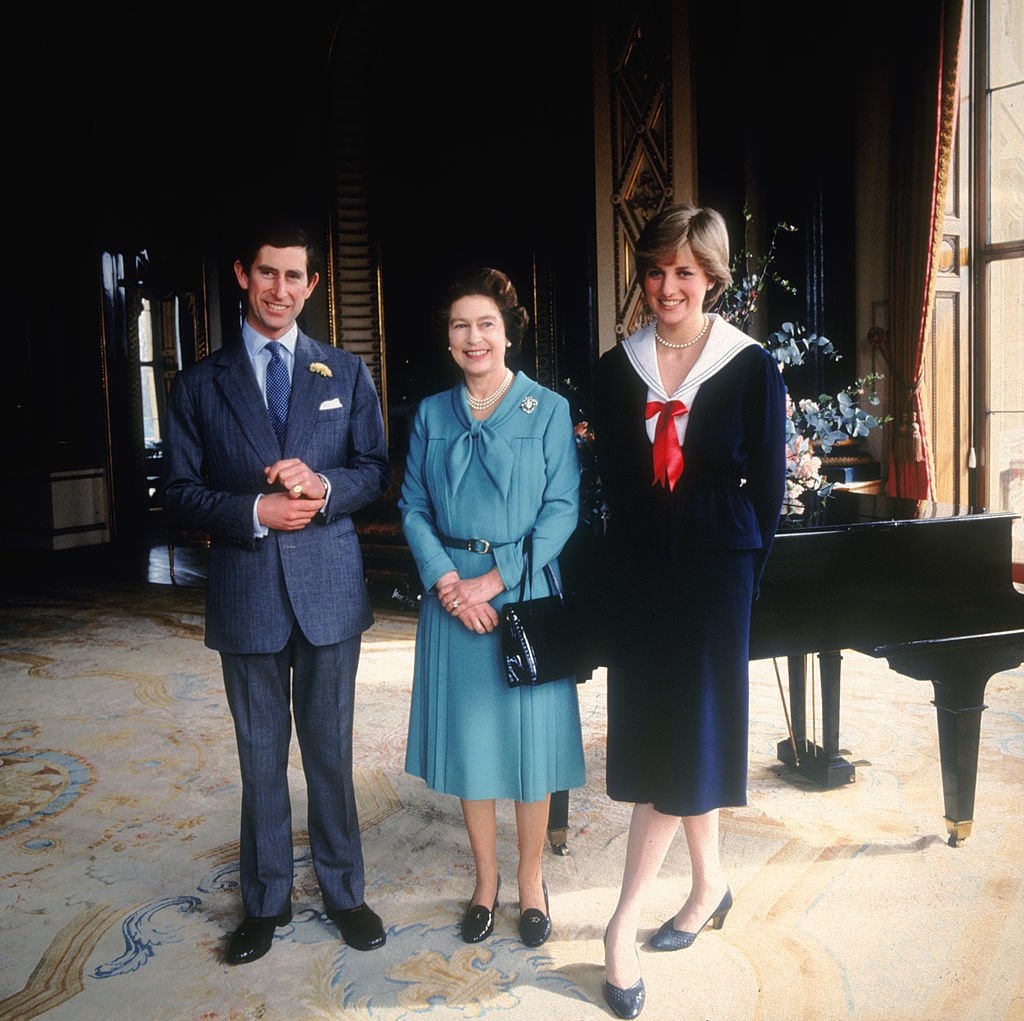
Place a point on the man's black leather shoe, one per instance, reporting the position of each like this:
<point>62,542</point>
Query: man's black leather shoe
<point>254,937</point>
<point>361,927</point>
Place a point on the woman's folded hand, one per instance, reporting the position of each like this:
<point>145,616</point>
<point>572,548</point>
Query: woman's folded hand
<point>481,618</point>
<point>463,593</point>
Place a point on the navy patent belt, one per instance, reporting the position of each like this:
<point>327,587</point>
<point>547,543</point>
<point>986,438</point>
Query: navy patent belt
<point>471,545</point>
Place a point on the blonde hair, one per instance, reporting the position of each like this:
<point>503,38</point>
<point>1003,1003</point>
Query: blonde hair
<point>702,229</point>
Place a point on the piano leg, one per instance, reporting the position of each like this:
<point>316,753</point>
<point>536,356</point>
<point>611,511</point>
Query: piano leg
<point>824,765</point>
<point>558,822</point>
<point>958,709</point>
<point>959,669</point>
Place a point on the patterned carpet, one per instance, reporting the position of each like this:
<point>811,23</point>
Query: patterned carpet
<point>119,806</point>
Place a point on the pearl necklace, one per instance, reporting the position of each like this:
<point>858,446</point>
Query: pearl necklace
<point>689,343</point>
<point>483,403</point>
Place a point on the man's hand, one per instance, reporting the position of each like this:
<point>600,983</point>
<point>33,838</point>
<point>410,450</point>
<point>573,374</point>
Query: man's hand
<point>297,479</point>
<point>286,513</point>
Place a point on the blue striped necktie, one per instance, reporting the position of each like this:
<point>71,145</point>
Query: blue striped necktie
<point>278,387</point>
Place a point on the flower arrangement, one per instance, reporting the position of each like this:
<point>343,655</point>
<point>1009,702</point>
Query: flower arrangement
<point>833,420</point>
<point>812,424</point>
<point>593,510</point>
<point>321,370</point>
<point>803,470</point>
<point>803,465</point>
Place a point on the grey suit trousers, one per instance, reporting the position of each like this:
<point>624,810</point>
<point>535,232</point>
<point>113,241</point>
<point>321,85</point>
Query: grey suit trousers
<point>318,682</point>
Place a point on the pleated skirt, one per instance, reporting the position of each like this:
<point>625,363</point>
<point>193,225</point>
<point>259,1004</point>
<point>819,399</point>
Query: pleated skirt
<point>473,736</point>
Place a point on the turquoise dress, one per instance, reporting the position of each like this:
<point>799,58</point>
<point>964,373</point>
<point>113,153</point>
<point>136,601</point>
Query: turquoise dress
<point>499,479</point>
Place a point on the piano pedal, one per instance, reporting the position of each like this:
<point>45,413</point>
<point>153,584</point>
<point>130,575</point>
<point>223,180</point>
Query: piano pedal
<point>812,762</point>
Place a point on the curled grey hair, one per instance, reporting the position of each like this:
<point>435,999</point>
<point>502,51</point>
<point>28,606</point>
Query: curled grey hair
<point>493,284</point>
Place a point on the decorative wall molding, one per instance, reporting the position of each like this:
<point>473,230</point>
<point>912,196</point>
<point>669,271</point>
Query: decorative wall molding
<point>354,295</point>
<point>644,143</point>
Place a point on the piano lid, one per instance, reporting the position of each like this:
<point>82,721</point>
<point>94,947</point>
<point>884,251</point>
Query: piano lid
<point>861,571</point>
<point>843,510</point>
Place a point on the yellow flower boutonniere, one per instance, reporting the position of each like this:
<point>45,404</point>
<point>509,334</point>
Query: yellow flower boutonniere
<point>320,369</point>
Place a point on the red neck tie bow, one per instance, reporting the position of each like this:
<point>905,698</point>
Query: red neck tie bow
<point>668,454</point>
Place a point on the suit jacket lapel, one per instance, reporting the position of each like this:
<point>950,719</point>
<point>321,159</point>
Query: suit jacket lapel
<point>241,393</point>
<point>304,405</point>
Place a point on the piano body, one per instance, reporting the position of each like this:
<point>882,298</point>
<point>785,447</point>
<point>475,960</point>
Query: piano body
<point>925,586</point>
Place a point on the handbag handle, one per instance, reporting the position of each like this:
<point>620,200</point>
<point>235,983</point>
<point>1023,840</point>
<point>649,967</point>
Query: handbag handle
<point>553,583</point>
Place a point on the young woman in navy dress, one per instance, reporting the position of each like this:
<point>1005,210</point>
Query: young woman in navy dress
<point>691,448</point>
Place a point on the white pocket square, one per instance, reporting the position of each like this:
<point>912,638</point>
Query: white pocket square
<point>331,404</point>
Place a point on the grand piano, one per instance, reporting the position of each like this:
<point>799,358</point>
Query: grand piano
<point>927,587</point>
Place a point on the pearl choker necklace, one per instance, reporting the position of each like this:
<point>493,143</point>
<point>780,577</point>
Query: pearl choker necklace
<point>689,343</point>
<point>483,403</point>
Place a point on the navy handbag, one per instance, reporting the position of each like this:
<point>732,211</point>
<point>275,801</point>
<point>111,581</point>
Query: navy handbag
<point>536,634</point>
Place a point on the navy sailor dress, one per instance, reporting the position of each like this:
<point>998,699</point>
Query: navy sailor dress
<point>682,565</point>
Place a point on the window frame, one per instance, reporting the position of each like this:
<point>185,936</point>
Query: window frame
<point>985,251</point>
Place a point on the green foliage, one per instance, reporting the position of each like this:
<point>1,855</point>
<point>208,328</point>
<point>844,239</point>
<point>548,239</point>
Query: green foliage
<point>791,344</point>
<point>831,420</point>
<point>750,278</point>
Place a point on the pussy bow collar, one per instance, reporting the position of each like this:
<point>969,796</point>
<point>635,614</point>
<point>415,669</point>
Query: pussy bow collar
<point>485,437</point>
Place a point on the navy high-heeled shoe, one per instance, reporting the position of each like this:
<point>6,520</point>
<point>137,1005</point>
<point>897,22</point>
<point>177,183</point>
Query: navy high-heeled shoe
<point>478,921</point>
<point>670,938</point>
<point>624,1003</point>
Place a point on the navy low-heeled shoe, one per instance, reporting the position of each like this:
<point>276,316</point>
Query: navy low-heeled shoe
<point>670,938</point>
<point>478,921</point>
<point>534,924</point>
<point>624,1003</point>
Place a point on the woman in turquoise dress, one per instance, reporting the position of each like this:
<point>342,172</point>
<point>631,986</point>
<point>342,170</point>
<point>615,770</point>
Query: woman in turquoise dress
<point>491,461</point>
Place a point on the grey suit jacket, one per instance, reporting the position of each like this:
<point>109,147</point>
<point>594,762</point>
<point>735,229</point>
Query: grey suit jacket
<point>218,441</point>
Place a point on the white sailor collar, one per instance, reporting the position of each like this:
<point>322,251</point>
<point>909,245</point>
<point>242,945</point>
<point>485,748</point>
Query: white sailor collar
<point>723,344</point>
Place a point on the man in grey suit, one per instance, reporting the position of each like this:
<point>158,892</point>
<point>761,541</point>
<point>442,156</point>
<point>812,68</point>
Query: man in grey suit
<point>272,443</point>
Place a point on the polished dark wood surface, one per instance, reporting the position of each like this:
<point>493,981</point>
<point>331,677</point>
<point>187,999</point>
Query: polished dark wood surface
<point>926,586</point>
<point>867,571</point>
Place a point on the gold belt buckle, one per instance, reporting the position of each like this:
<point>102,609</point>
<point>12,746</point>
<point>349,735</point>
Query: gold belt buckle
<point>478,546</point>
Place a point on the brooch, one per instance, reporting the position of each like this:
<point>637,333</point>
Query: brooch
<point>320,369</point>
<point>528,404</point>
